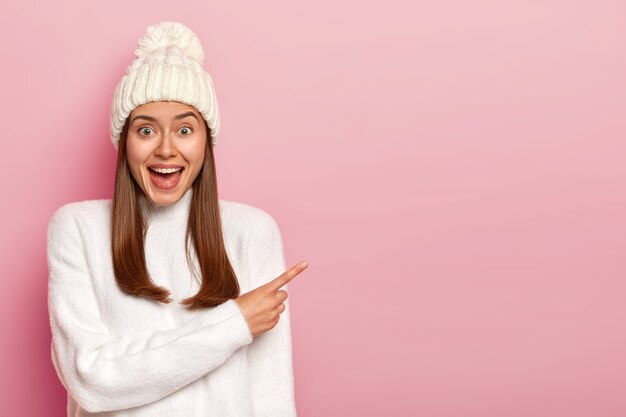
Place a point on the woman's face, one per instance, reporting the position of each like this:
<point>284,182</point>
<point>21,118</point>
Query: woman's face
<point>169,137</point>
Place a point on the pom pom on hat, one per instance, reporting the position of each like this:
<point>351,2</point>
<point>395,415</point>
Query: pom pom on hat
<point>168,68</point>
<point>166,34</point>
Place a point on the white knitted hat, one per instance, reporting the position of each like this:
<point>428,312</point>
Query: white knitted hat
<point>168,68</point>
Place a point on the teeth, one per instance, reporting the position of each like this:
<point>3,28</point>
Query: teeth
<point>166,170</point>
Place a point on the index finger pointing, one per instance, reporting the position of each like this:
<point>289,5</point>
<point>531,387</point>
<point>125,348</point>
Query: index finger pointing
<point>287,276</point>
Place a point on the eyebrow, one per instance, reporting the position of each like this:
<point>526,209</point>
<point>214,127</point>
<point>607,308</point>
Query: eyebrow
<point>152,119</point>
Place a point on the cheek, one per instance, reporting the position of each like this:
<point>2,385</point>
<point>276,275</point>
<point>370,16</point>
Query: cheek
<point>134,157</point>
<point>193,153</point>
<point>198,155</point>
<point>195,157</point>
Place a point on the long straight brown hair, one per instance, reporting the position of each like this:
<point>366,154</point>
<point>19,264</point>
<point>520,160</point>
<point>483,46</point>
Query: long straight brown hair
<point>128,230</point>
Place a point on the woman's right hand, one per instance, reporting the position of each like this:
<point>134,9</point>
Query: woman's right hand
<point>262,306</point>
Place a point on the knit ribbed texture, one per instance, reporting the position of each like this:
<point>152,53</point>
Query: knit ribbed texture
<point>155,214</point>
<point>120,355</point>
<point>168,68</point>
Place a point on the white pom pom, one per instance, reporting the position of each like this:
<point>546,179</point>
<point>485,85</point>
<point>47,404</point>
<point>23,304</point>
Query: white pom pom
<point>170,33</point>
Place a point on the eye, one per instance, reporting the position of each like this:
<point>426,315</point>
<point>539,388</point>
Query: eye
<point>185,131</point>
<point>142,131</point>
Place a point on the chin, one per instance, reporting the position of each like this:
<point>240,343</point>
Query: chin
<point>166,198</point>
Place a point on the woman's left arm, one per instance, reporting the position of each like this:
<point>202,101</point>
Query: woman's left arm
<point>270,353</point>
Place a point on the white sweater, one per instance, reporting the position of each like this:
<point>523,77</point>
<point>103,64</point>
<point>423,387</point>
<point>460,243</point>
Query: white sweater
<point>122,355</point>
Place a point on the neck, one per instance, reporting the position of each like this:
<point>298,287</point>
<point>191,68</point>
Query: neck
<point>176,212</point>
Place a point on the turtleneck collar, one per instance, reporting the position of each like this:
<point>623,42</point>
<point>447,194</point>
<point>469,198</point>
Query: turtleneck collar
<point>179,211</point>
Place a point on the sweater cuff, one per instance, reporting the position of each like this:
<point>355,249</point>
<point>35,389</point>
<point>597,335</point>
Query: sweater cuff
<point>229,310</point>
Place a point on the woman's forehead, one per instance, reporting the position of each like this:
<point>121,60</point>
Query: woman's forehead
<point>163,108</point>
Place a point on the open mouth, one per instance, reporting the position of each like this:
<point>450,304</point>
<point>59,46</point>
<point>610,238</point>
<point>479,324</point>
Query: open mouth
<point>165,178</point>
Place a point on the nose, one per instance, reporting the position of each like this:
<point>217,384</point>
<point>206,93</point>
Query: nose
<point>166,147</point>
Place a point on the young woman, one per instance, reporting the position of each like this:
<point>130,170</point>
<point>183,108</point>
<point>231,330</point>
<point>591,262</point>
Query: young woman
<point>165,300</point>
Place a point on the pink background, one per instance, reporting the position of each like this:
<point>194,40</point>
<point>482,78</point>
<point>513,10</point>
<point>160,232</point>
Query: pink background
<point>453,171</point>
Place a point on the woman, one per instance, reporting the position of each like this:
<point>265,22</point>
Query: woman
<point>144,293</point>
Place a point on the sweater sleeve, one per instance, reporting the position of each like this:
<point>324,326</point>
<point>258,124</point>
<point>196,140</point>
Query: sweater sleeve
<point>270,354</point>
<point>105,372</point>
